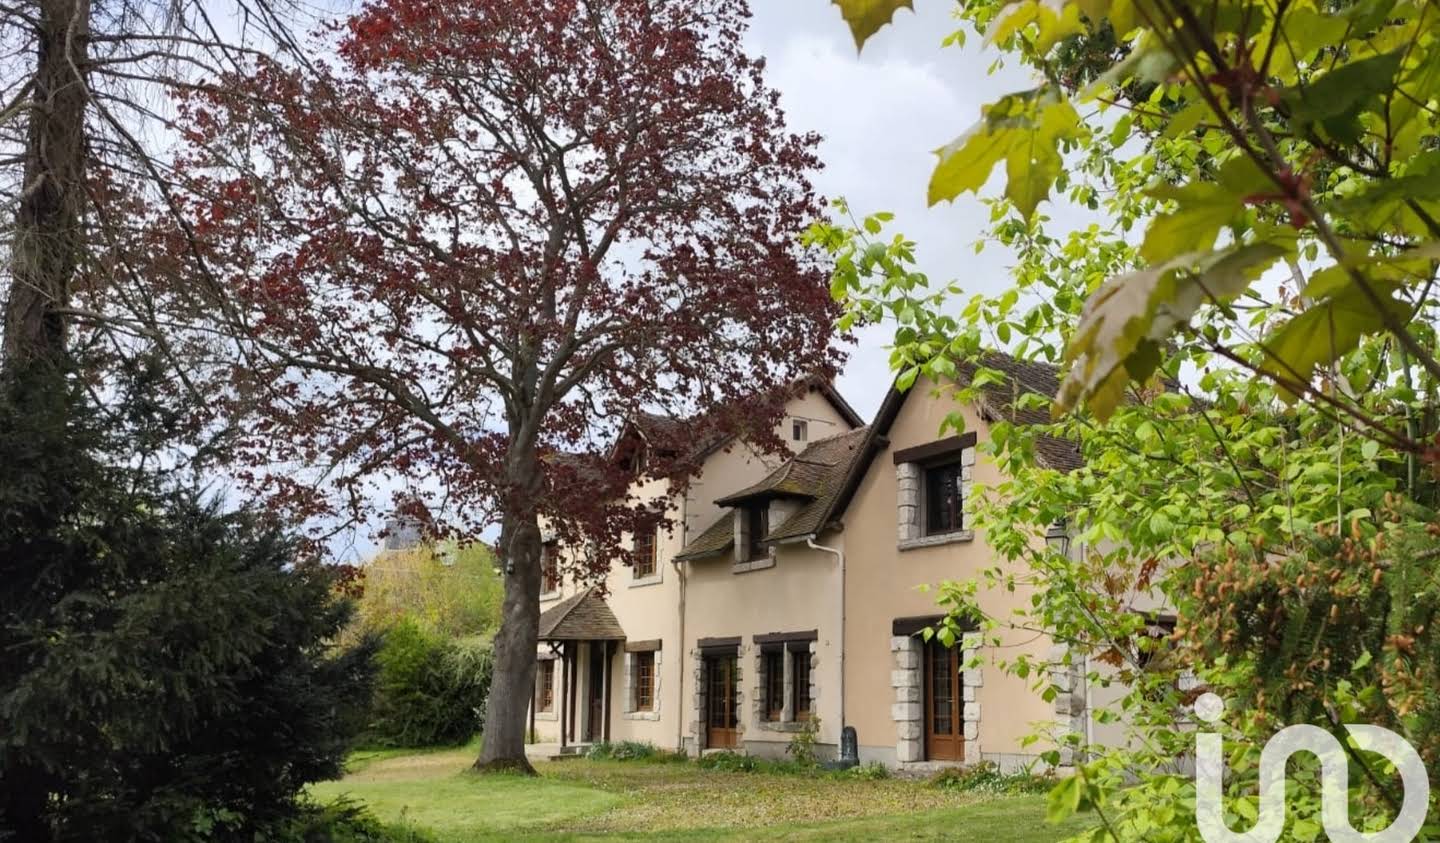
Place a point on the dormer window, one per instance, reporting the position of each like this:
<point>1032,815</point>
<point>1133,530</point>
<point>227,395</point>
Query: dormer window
<point>635,462</point>
<point>758,518</point>
<point>799,430</point>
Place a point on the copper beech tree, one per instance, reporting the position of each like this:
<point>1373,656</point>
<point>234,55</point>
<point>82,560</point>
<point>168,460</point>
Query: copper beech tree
<point>471,246</point>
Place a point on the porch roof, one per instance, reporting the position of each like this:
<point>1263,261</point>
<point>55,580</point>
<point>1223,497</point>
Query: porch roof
<point>584,616</point>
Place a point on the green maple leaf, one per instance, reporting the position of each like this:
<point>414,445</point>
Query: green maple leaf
<point>866,17</point>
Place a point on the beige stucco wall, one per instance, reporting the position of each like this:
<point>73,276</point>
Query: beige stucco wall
<point>800,592</point>
<point>883,585</point>
<point>650,609</point>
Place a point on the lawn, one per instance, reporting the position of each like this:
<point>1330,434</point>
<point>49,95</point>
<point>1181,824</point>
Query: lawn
<point>434,793</point>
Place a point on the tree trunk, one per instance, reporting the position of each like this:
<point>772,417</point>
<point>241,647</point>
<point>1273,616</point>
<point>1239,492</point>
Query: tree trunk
<point>513,680</point>
<point>47,237</point>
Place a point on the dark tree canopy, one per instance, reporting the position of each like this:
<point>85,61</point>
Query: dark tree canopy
<point>493,231</point>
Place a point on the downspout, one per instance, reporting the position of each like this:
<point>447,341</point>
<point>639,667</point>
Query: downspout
<point>680,648</point>
<point>679,718</point>
<point>840,559</point>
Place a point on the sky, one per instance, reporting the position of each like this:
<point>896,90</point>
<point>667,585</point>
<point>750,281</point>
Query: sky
<point>882,112</point>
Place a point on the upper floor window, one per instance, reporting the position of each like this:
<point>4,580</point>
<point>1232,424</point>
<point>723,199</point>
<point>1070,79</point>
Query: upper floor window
<point>758,517</point>
<point>799,430</point>
<point>645,554</point>
<point>549,571</point>
<point>943,511</point>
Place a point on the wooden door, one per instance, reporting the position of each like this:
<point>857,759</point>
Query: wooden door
<point>722,677</point>
<point>944,724</point>
<point>596,692</point>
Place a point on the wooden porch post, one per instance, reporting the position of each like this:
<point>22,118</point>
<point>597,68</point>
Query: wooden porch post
<point>574,684</point>
<point>564,688</point>
<point>606,702</point>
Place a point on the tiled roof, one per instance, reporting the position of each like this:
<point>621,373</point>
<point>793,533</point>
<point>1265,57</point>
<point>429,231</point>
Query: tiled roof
<point>838,455</point>
<point>1026,376</point>
<point>584,616</point>
<point>816,474</point>
<point>718,538</point>
<point>680,434</point>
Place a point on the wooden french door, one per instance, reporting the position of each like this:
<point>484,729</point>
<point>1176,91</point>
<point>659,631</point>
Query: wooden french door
<point>596,692</point>
<point>722,678</point>
<point>944,726</point>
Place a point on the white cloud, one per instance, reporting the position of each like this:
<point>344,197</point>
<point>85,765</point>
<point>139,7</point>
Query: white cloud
<point>882,113</point>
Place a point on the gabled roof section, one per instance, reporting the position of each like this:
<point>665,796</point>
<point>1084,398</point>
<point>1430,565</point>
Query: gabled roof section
<point>718,538</point>
<point>584,616</point>
<point>653,427</point>
<point>839,454</point>
<point>998,401</point>
<point>816,474</point>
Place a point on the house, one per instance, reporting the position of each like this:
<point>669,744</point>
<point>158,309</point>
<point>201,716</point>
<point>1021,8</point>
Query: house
<point>788,598</point>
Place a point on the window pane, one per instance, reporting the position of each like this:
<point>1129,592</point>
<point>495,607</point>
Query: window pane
<point>942,499</point>
<point>645,554</point>
<point>775,685</point>
<point>759,518</point>
<point>545,678</point>
<point>800,659</point>
<point>643,679</point>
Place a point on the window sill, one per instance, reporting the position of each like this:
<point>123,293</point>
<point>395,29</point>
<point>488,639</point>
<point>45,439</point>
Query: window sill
<point>546,715</point>
<point>955,537</point>
<point>783,725</point>
<point>549,595</point>
<point>641,582</point>
<point>753,565</point>
<point>641,715</point>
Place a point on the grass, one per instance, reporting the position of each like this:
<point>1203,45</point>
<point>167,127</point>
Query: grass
<point>434,793</point>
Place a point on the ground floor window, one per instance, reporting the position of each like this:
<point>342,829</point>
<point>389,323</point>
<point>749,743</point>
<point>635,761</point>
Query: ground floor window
<point>784,690</point>
<point>774,684</point>
<point>545,686</point>
<point>641,698</point>
<point>643,681</point>
<point>800,664</point>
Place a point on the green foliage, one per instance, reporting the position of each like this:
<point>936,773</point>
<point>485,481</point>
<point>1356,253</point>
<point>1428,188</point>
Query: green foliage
<point>870,771</point>
<point>1254,323</point>
<point>1307,129</point>
<point>867,16</point>
<point>631,751</point>
<point>801,747</point>
<point>343,821</point>
<point>986,777</point>
<point>430,689</point>
<point>165,671</point>
<point>451,590</point>
<point>730,762</point>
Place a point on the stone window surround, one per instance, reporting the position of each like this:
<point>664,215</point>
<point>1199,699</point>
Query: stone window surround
<point>908,711</point>
<point>654,579</point>
<point>1067,679</point>
<point>629,711</point>
<point>795,646</point>
<point>910,464</point>
<point>553,713</point>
